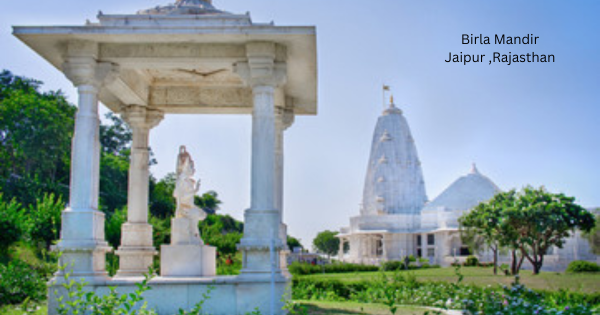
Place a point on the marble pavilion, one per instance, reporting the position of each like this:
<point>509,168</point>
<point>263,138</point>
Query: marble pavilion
<point>183,58</point>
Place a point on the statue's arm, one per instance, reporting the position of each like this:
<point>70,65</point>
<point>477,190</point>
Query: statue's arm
<point>197,186</point>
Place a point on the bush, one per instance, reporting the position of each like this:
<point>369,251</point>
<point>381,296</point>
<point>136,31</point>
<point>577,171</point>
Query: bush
<point>471,261</point>
<point>404,288</point>
<point>582,266</point>
<point>393,265</point>
<point>19,281</point>
<point>11,224</point>
<point>44,220</point>
<point>298,268</point>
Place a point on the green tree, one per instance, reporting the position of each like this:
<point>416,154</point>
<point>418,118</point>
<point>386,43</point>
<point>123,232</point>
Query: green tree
<point>115,139</point>
<point>35,139</point>
<point>162,202</point>
<point>44,220</point>
<point>209,202</point>
<point>593,236</point>
<point>112,227</point>
<point>542,220</point>
<point>485,223</point>
<point>11,219</point>
<point>327,243</point>
<point>293,242</point>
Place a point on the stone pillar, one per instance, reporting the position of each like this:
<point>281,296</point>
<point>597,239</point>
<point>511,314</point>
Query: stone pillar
<point>82,240</point>
<point>263,220</point>
<point>136,252</point>
<point>284,118</point>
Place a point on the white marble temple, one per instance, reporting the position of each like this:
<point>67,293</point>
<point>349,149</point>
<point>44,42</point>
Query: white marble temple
<point>396,219</point>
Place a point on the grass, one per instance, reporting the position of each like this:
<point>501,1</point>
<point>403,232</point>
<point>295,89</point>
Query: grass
<point>551,281</point>
<point>40,309</point>
<point>352,308</point>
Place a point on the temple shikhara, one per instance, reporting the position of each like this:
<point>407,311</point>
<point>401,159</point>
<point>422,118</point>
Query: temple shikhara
<point>397,219</point>
<point>185,58</point>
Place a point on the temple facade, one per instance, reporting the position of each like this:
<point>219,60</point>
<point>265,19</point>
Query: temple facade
<point>397,220</point>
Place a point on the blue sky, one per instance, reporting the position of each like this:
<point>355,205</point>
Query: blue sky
<point>522,124</point>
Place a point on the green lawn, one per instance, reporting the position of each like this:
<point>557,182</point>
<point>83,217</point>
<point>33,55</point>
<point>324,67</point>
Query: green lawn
<point>584,282</point>
<point>351,308</point>
<point>36,309</point>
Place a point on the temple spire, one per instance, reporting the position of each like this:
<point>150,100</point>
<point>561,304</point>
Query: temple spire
<point>474,169</point>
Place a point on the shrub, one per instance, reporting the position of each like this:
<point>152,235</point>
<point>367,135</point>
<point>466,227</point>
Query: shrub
<point>19,281</point>
<point>471,261</point>
<point>298,268</point>
<point>393,265</point>
<point>404,288</point>
<point>11,224</point>
<point>44,220</point>
<point>583,266</point>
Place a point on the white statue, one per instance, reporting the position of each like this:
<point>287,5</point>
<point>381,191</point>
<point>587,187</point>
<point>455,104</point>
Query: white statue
<point>185,190</point>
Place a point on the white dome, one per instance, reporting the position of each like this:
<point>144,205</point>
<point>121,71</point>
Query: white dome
<point>465,193</point>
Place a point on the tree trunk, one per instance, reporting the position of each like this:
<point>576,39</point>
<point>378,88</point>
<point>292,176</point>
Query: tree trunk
<point>495,250</point>
<point>513,265</point>
<point>537,266</point>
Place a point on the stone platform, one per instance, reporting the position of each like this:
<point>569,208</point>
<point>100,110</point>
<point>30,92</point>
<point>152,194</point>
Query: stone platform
<point>229,295</point>
<point>188,261</point>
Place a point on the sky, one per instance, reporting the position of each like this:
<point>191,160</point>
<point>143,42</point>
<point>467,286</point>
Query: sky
<point>523,124</point>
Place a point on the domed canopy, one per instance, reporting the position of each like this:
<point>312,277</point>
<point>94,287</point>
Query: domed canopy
<point>466,192</point>
<point>394,182</point>
<point>184,7</point>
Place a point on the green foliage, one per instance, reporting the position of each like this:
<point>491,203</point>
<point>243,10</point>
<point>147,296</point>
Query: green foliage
<point>113,181</point>
<point>582,266</point>
<point>229,264</point>
<point>11,224</point>
<point>112,226</point>
<point>197,310</point>
<point>19,281</point>
<point>80,301</point>
<point>115,138</point>
<point>298,268</point>
<point>544,220</point>
<point>209,202</point>
<point>471,261</point>
<point>403,288</point>
<point>325,242</point>
<point>528,222</point>
<point>517,299</point>
<point>293,242</point>
<point>35,139</point>
<point>162,202</point>
<point>44,220</point>
<point>161,230</point>
<point>393,265</point>
<point>221,231</point>
<point>593,236</point>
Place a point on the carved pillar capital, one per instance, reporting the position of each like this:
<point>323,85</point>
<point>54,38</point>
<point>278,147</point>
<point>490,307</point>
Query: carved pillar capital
<point>141,117</point>
<point>284,118</point>
<point>262,68</point>
<point>86,71</point>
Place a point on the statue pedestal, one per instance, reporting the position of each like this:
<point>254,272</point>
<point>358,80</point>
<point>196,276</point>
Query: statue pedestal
<point>188,261</point>
<point>187,256</point>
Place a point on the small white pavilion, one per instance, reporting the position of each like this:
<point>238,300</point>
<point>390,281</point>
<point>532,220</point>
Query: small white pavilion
<point>184,58</point>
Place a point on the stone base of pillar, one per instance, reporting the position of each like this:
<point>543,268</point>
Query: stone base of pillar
<point>261,232</point>
<point>135,261</point>
<point>136,253</point>
<point>82,246</point>
<point>283,256</point>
